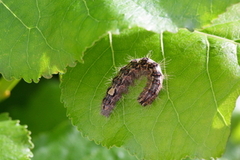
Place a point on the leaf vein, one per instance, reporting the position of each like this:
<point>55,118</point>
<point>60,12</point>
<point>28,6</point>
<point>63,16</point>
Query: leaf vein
<point>210,82</point>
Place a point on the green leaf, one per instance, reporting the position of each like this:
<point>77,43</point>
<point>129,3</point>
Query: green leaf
<point>233,145</point>
<point>227,27</point>
<point>14,140</point>
<point>53,36</point>
<point>65,142</point>
<point>40,38</point>
<point>170,15</point>
<point>191,117</point>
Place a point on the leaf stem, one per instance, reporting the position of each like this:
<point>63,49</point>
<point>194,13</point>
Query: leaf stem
<point>6,87</point>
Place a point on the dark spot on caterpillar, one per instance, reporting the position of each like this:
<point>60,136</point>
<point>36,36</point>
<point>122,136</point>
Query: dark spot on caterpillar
<point>126,76</point>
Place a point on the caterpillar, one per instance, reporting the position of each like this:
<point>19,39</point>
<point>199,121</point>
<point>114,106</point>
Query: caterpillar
<point>126,76</point>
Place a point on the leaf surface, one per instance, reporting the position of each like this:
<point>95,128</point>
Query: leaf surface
<point>14,140</point>
<point>41,38</point>
<point>192,113</point>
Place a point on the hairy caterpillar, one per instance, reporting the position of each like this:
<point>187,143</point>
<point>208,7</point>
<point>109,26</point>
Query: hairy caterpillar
<point>126,76</point>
